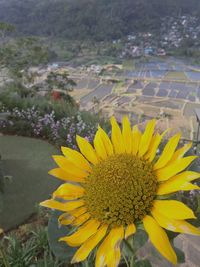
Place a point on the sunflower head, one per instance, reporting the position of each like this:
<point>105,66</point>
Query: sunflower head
<point>114,186</point>
<point>120,190</point>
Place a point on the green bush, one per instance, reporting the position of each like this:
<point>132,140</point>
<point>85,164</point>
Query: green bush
<point>10,99</point>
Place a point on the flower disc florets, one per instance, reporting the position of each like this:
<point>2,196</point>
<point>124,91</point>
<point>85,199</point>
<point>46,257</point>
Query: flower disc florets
<point>120,189</point>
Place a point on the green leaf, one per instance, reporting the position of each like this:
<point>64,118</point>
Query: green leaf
<point>180,255</point>
<point>60,249</point>
<point>138,239</point>
<point>142,263</point>
<point>134,242</point>
<point>171,235</point>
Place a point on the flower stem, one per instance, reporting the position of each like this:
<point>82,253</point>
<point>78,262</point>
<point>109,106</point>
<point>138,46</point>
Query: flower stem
<point>125,259</point>
<point>129,246</point>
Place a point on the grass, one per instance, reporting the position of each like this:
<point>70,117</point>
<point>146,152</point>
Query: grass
<point>27,247</point>
<point>27,162</point>
<point>176,75</point>
<point>128,64</point>
<point>193,94</point>
<point>118,87</point>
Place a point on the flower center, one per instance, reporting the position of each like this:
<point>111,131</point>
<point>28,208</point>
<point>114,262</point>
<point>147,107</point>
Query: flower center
<point>120,189</point>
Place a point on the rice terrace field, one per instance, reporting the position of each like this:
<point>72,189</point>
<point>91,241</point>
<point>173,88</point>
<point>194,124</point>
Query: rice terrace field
<point>170,87</point>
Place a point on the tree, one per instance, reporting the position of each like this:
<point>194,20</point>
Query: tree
<point>21,54</point>
<point>91,19</point>
<point>5,29</point>
<point>18,56</point>
<point>60,81</point>
<point>96,103</point>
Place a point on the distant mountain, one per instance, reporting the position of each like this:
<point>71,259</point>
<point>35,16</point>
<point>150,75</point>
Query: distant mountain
<point>97,19</point>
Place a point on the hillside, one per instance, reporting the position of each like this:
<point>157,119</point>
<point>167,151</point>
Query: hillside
<point>97,19</point>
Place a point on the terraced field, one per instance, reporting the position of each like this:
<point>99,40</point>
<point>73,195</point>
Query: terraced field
<point>100,92</point>
<point>161,86</point>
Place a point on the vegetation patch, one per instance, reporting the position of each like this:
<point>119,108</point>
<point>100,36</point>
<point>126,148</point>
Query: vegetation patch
<point>26,162</point>
<point>176,75</point>
<point>128,64</point>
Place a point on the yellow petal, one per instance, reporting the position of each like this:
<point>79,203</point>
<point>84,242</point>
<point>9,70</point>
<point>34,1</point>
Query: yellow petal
<point>169,188</point>
<point>76,158</point>
<point>65,219</point>
<point>82,234</point>
<point>99,146</point>
<point>69,167</point>
<point>75,217</point>
<point>87,150</point>
<point>81,219</point>
<point>116,137</point>
<point>113,256</point>
<point>189,186</point>
<point>181,152</point>
<point>179,182</point>
<point>167,152</point>
<point>106,141</point>
<point>114,237</point>
<point>151,153</point>
<point>53,204</point>
<point>146,138</point>
<point>159,239</point>
<point>130,230</point>
<point>127,134</point>
<point>66,176</point>
<point>174,168</point>
<point>1,231</point>
<point>83,252</point>
<point>179,226</point>
<point>69,192</point>
<point>173,209</point>
<point>186,176</point>
<point>153,147</point>
<point>136,139</point>
<point>78,212</point>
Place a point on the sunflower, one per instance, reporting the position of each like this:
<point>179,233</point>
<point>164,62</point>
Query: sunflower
<point>118,184</point>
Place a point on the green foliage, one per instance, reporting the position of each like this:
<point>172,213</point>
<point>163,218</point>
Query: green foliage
<point>23,53</point>
<point>20,255</point>
<point>55,119</point>
<point>12,96</point>
<point>27,161</point>
<point>87,19</point>
<point>138,239</point>
<point>60,81</point>
<point>142,263</point>
<point>132,244</point>
<point>34,251</point>
<point>180,255</point>
<point>60,249</point>
<point>18,56</point>
<point>5,29</point>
